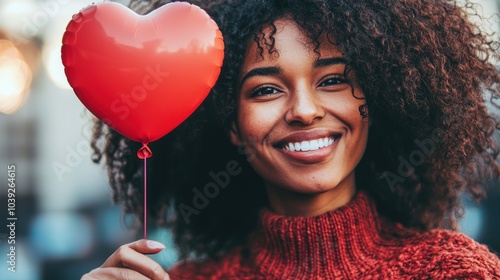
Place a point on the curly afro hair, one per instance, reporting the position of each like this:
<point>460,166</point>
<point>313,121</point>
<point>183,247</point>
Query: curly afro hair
<point>426,72</point>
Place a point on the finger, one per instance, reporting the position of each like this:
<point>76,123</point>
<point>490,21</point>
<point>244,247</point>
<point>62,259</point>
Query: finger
<point>146,246</point>
<point>110,273</point>
<point>149,268</point>
<point>132,256</point>
<point>141,246</point>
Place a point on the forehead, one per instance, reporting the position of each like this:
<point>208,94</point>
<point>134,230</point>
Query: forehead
<point>285,35</point>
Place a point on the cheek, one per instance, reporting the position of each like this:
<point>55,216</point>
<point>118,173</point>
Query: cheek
<point>359,129</point>
<point>346,108</point>
<point>246,123</point>
<point>256,121</point>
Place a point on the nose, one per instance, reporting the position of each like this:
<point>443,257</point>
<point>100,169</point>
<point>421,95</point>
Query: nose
<point>304,107</point>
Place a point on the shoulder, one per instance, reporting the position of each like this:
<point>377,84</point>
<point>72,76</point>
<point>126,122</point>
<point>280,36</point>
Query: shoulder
<point>443,254</point>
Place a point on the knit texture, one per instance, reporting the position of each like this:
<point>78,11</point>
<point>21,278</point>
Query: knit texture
<point>352,242</point>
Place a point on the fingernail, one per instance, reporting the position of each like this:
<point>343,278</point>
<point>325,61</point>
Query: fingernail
<point>155,245</point>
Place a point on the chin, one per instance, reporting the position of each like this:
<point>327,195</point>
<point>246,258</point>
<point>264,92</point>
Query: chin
<point>310,188</point>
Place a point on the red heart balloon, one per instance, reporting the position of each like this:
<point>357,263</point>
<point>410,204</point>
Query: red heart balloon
<point>142,75</point>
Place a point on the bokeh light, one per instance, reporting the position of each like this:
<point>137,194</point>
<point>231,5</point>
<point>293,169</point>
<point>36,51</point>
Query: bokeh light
<point>15,77</point>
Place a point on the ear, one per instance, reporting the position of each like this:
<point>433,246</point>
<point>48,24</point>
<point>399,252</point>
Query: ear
<point>234,134</point>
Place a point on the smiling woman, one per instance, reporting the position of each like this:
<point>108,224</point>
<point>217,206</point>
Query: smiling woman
<point>355,126</point>
<point>299,112</point>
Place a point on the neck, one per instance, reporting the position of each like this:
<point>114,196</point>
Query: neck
<point>289,203</point>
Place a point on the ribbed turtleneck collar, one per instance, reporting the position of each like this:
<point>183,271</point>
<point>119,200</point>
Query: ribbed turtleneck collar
<point>325,246</point>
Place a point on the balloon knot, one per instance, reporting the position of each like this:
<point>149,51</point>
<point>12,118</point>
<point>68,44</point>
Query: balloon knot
<point>144,152</point>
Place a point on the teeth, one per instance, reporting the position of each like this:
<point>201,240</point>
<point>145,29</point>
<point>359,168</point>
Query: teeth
<point>314,145</point>
<point>304,146</point>
<point>297,146</point>
<point>311,145</point>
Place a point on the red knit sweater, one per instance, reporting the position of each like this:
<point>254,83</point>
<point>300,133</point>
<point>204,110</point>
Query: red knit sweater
<point>352,242</point>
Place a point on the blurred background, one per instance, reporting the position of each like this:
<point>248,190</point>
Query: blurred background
<point>66,224</point>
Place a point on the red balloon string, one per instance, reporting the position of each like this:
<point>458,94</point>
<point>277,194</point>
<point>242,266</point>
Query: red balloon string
<point>145,153</point>
<point>145,200</point>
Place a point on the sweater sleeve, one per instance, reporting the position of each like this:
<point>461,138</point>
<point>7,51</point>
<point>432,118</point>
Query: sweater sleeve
<point>460,257</point>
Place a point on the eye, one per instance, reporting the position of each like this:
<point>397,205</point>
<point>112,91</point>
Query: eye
<point>263,91</point>
<point>332,81</point>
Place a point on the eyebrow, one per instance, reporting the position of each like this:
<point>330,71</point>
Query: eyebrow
<point>262,71</point>
<point>330,61</point>
<point>270,71</point>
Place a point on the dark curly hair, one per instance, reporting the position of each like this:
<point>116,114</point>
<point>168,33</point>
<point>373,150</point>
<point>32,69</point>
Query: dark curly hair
<point>426,73</point>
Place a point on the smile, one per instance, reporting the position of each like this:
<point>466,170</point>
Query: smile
<point>310,145</point>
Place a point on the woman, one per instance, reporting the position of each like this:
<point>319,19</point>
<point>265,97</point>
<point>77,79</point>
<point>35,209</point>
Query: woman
<point>335,145</point>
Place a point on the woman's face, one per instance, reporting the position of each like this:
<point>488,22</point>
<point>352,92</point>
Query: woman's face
<point>297,117</point>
